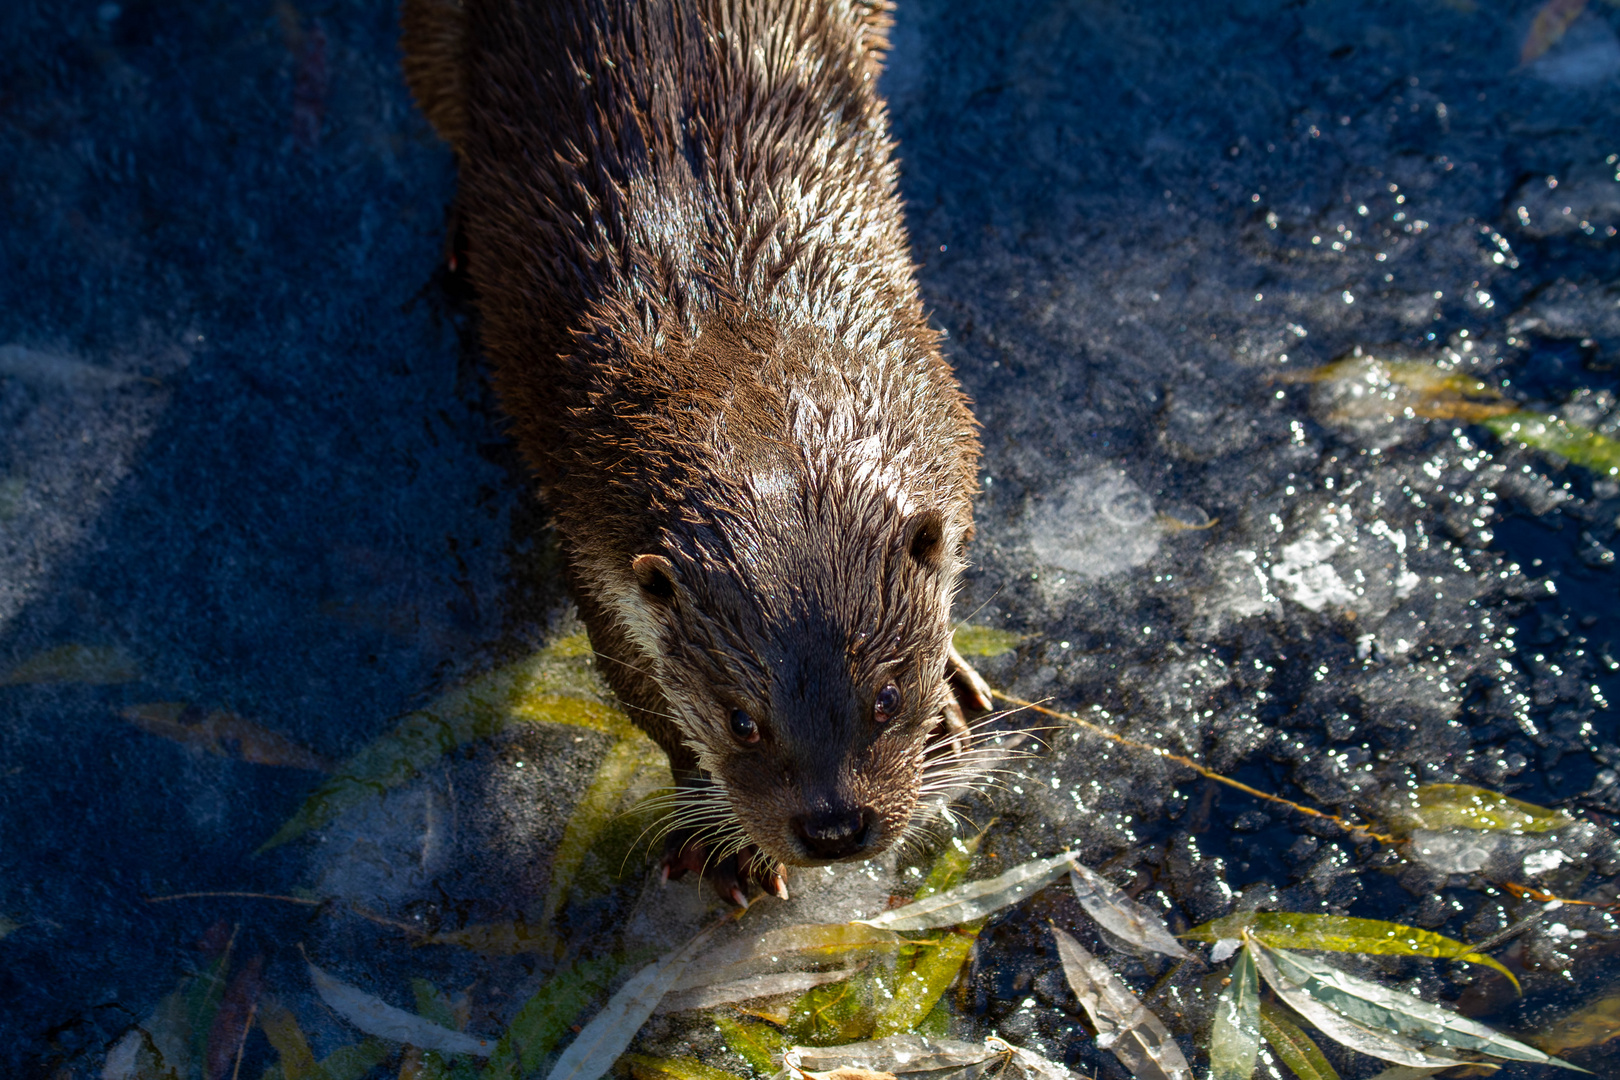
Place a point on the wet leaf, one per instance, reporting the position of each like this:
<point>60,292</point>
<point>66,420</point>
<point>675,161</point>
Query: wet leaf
<point>432,1005</point>
<point>1551,21</point>
<point>984,640</point>
<point>901,1055</point>
<point>975,899</point>
<point>950,866</point>
<point>1124,1025</point>
<point>1404,1072</point>
<point>1366,387</point>
<point>1591,1025</point>
<point>773,984</point>
<point>223,735</point>
<point>1234,1043</point>
<point>1122,917</point>
<point>1341,933</point>
<point>758,1044</point>
<point>610,1032</point>
<point>835,1014</point>
<point>229,1028</point>
<point>513,938</point>
<point>1296,1049</point>
<point>643,1067</point>
<point>292,1048</point>
<point>7,926</point>
<point>790,948</point>
<point>1380,1022</point>
<point>546,1017</point>
<point>595,812</point>
<point>1440,807</point>
<point>923,972</point>
<point>376,1017</point>
<point>556,685</point>
<point>100,665</point>
<point>1573,442</point>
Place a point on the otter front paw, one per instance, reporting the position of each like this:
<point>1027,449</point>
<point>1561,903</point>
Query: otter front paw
<point>730,876</point>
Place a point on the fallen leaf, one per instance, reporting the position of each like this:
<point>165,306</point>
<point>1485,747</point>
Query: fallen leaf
<point>1124,1025</point>
<point>223,735</point>
<point>229,1027</point>
<point>1440,807</point>
<point>296,1059</point>
<point>1381,1022</point>
<point>555,685</point>
<point>922,973</point>
<point>1234,1042</point>
<point>1293,1046</point>
<point>546,1017</point>
<point>1551,21</point>
<point>775,984</point>
<point>52,371</point>
<point>1125,919</point>
<point>984,640</point>
<point>514,938</point>
<point>975,899</point>
<point>645,1067</point>
<point>1341,933</point>
<point>1591,1025</point>
<point>900,1055</point>
<point>761,1045</point>
<point>610,1032</point>
<point>376,1017</point>
<point>789,948</point>
<point>1573,442</point>
<point>99,665</point>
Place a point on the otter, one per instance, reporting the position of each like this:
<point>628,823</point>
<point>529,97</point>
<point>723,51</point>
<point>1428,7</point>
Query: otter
<point>682,227</point>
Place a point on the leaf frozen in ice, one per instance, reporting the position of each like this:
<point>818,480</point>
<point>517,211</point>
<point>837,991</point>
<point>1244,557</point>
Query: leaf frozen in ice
<point>975,899</point>
<point>1440,807</point>
<point>789,948</point>
<point>610,1032</point>
<point>1551,434</point>
<point>1121,916</point>
<point>1381,1022</point>
<point>923,972</point>
<point>555,685</point>
<point>898,1054</point>
<point>1549,24</point>
<point>1591,1025</point>
<point>1293,1046</point>
<point>771,984</point>
<point>758,1044</point>
<point>99,665</point>
<point>376,1017</point>
<point>1234,1043</point>
<point>984,640</point>
<point>1124,1025</point>
<point>647,1067</point>
<point>546,1017</point>
<point>1340,933</point>
<point>223,734</point>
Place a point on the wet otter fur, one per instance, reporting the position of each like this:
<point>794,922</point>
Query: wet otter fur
<point>681,222</point>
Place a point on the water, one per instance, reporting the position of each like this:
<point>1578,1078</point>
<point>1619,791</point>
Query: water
<point>246,452</point>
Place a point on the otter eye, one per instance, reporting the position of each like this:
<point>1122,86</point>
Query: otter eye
<point>886,704</point>
<point>743,728</point>
<point>926,543</point>
<point>656,576</point>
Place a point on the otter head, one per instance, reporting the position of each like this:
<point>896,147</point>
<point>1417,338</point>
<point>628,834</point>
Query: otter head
<point>798,623</point>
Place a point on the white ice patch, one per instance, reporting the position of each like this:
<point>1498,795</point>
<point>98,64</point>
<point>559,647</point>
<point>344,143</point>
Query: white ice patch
<point>1539,862</point>
<point>1099,523</point>
<point>1307,578</point>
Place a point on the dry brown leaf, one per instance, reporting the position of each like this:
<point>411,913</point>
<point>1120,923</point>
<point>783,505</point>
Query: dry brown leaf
<point>224,735</point>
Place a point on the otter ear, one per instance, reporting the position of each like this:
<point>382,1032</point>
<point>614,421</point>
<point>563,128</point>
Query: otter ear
<point>656,576</point>
<point>925,539</point>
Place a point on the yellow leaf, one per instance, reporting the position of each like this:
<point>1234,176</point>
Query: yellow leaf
<point>645,1067</point>
<point>984,640</point>
<point>1591,1025</point>
<point>1462,806</point>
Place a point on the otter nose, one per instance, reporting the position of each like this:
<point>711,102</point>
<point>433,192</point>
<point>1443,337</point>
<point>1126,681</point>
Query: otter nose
<point>834,834</point>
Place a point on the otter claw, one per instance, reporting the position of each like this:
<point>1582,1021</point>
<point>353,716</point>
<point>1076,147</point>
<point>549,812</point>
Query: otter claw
<point>972,693</point>
<point>729,876</point>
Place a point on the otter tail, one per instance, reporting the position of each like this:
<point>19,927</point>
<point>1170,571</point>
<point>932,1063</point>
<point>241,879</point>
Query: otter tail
<point>433,35</point>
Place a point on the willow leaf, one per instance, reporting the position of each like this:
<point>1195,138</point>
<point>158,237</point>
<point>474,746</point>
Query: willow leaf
<point>99,665</point>
<point>1124,1025</point>
<point>594,812</point>
<point>984,640</point>
<point>789,948</point>
<point>922,975</point>
<point>771,984</point>
<point>1121,916</point>
<point>761,1045</point>
<point>545,1018</point>
<point>1573,442</point>
<point>1340,933</point>
<point>1381,1022</point>
<point>1297,1050</point>
<point>646,1067</point>
<point>1234,1044</point>
<point>897,1054</point>
<point>376,1017</point>
<point>975,899</point>
<point>1439,807</point>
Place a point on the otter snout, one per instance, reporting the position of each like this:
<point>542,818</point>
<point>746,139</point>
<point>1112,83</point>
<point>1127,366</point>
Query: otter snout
<point>834,834</point>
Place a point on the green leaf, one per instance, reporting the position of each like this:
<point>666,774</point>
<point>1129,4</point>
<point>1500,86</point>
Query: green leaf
<point>950,866</point>
<point>1340,933</point>
<point>351,1062</point>
<point>923,972</point>
<point>545,1018</point>
<point>645,1067</point>
<point>292,1048</point>
<point>1573,442</point>
<point>1296,1048</point>
<point>99,665</point>
<point>758,1044</point>
<point>595,812</point>
<point>984,640</point>
<point>835,1014</point>
<point>1381,1022</point>
<point>432,1005</point>
<point>1462,806</point>
<point>975,899</point>
<point>556,685</point>
<point>1234,1044</point>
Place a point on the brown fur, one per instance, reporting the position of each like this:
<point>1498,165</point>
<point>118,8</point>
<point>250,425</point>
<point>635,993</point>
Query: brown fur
<point>682,224</point>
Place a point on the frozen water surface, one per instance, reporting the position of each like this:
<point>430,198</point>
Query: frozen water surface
<point>250,478</point>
